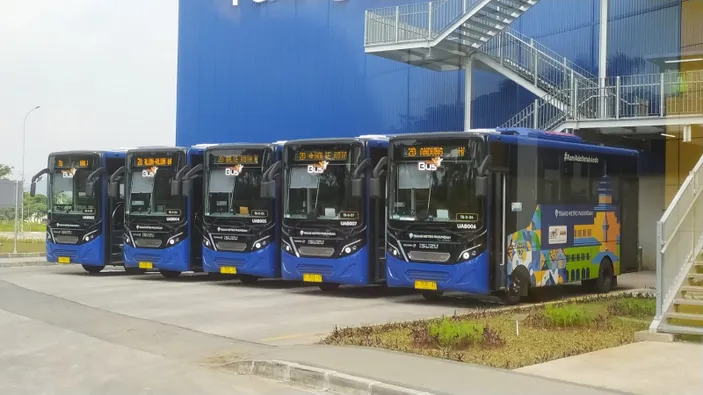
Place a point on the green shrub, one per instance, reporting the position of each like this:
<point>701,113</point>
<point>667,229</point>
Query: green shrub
<point>566,316</point>
<point>633,307</point>
<point>451,333</point>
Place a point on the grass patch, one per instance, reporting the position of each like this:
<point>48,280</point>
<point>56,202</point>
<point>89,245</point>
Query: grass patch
<point>9,226</point>
<point>489,337</point>
<point>23,245</point>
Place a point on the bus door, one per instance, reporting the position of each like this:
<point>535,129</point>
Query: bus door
<point>377,223</point>
<point>497,235</point>
<point>115,212</point>
<point>629,211</point>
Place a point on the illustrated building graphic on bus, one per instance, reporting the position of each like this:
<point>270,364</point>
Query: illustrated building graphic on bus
<point>577,239</point>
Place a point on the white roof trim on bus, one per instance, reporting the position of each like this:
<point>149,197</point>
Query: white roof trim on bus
<point>374,136</point>
<point>491,131</point>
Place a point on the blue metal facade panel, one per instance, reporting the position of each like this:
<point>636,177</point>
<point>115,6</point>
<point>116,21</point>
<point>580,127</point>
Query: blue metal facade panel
<point>297,68</point>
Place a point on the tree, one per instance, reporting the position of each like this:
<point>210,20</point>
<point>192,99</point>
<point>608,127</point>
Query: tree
<point>34,207</point>
<point>5,171</point>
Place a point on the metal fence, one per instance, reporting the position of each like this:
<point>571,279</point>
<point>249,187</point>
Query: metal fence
<point>679,240</point>
<point>636,96</point>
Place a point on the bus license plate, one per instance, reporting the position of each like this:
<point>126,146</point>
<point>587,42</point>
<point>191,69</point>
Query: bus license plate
<point>64,259</point>
<point>228,270</point>
<point>426,285</point>
<point>312,278</point>
<point>146,265</point>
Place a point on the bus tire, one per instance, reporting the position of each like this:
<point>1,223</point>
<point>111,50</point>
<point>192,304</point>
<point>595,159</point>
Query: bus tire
<point>93,269</point>
<point>134,270</point>
<point>248,279</point>
<point>518,288</point>
<point>329,286</point>
<point>432,296</point>
<point>169,273</point>
<point>604,282</point>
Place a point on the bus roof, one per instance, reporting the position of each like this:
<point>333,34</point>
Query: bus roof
<point>526,136</point>
<point>90,152</point>
<point>238,146</point>
<point>339,140</point>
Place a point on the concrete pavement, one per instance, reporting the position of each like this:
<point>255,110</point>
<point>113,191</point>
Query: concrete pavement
<point>645,368</point>
<point>37,357</point>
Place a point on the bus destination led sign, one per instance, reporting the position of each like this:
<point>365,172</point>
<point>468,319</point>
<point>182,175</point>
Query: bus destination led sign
<point>149,161</point>
<point>66,163</point>
<point>338,155</point>
<point>434,152</point>
<point>236,159</point>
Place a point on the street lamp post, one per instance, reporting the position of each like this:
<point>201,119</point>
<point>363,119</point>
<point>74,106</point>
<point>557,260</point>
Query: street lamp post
<point>24,143</point>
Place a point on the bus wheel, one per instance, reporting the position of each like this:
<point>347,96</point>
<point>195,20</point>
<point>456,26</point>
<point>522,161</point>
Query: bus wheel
<point>134,270</point>
<point>248,279</point>
<point>93,269</point>
<point>329,286</point>
<point>432,296</point>
<point>169,273</point>
<point>519,287</point>
<point>604,282</point>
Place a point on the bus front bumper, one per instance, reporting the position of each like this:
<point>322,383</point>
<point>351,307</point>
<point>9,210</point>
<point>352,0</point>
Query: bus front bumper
<point>265,262</point>
<point>175,258</point>
<point>468,276</point>
<point>91,253</point>
<point>352,269</point>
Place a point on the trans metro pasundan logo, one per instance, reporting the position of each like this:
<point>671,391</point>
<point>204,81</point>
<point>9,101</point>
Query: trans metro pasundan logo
<point>580,158</point>
<point>572,213</point>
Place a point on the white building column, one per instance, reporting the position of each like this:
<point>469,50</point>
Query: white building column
<point>603,54</point>
<point>468,91</point>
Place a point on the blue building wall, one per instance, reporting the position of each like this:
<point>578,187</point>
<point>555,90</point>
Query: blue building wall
<point>296,68</point>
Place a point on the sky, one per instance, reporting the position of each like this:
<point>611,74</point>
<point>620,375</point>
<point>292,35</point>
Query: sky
<point>103,72</point>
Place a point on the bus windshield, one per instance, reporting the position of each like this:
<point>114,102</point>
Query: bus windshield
<point>436,189</point>
<point>320,189</point>
<point>150,192</point>
<point>234,191</point>
<point>68,192</point>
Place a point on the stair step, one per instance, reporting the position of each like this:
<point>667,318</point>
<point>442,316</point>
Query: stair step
<point>691,288</point>
<point>685,316</point>
<point>697,277</point>
<point>679,329</point>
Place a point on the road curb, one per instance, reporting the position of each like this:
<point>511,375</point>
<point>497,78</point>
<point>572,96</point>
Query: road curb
<point>320,379</point>
<point>23,255</point>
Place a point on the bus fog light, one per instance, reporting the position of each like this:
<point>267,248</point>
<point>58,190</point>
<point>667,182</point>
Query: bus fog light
<point>257,245</point>
<point>172,242</point>
<point>86,238</point>
<point>287,248</point>
<point>465,255</point>
<point>347,250</point>
<point>207,243</point>
<point>395,252</point>
<point>473,253</point>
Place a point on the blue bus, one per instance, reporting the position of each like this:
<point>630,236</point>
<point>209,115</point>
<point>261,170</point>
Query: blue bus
<point>505,210</point>
<point>239,225</point>
<point>159,221</point>
<point>84,225</point>
<point>332,231</point>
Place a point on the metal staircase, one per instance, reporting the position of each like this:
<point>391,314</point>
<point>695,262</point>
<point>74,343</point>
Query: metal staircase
<point>442,35</point>
<point>679,263</point>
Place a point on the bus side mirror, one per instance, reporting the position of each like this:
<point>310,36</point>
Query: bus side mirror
<point>113,189</point>
<point>376,189</point>
<point>33,189</point>
<point>89,189</point>
<point>481,186</point>
<point>187,187</point>
<point>357,187</point>
<point>175,188</point>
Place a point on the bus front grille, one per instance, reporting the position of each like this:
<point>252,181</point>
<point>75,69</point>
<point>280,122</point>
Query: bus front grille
<point>426,256</point>
<point>231,246</point>
<point>66,239</point>
<point>317,251</point>
<point>148,243</point>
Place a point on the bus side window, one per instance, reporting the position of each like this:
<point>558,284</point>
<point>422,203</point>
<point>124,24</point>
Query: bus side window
<point>550,191</point>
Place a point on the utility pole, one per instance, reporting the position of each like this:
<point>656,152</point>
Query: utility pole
<point>24,143</point>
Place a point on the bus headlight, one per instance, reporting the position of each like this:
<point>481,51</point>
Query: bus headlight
<point>174,239</point>
<point>469,253</point>
<point>90,236</point>
<point>351,247</point>
<point>261,243</point>
<point>127,240</point>
<point>286,246</point>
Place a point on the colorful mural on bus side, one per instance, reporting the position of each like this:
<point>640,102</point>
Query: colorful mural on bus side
<point>577,239</point>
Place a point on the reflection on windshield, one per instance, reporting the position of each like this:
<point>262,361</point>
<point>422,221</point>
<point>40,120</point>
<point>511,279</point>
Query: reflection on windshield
<point>150,192</point>
<point>320,195</point>
<point>437,195</point>
<point>68,192</point>
<point>234,191</point>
